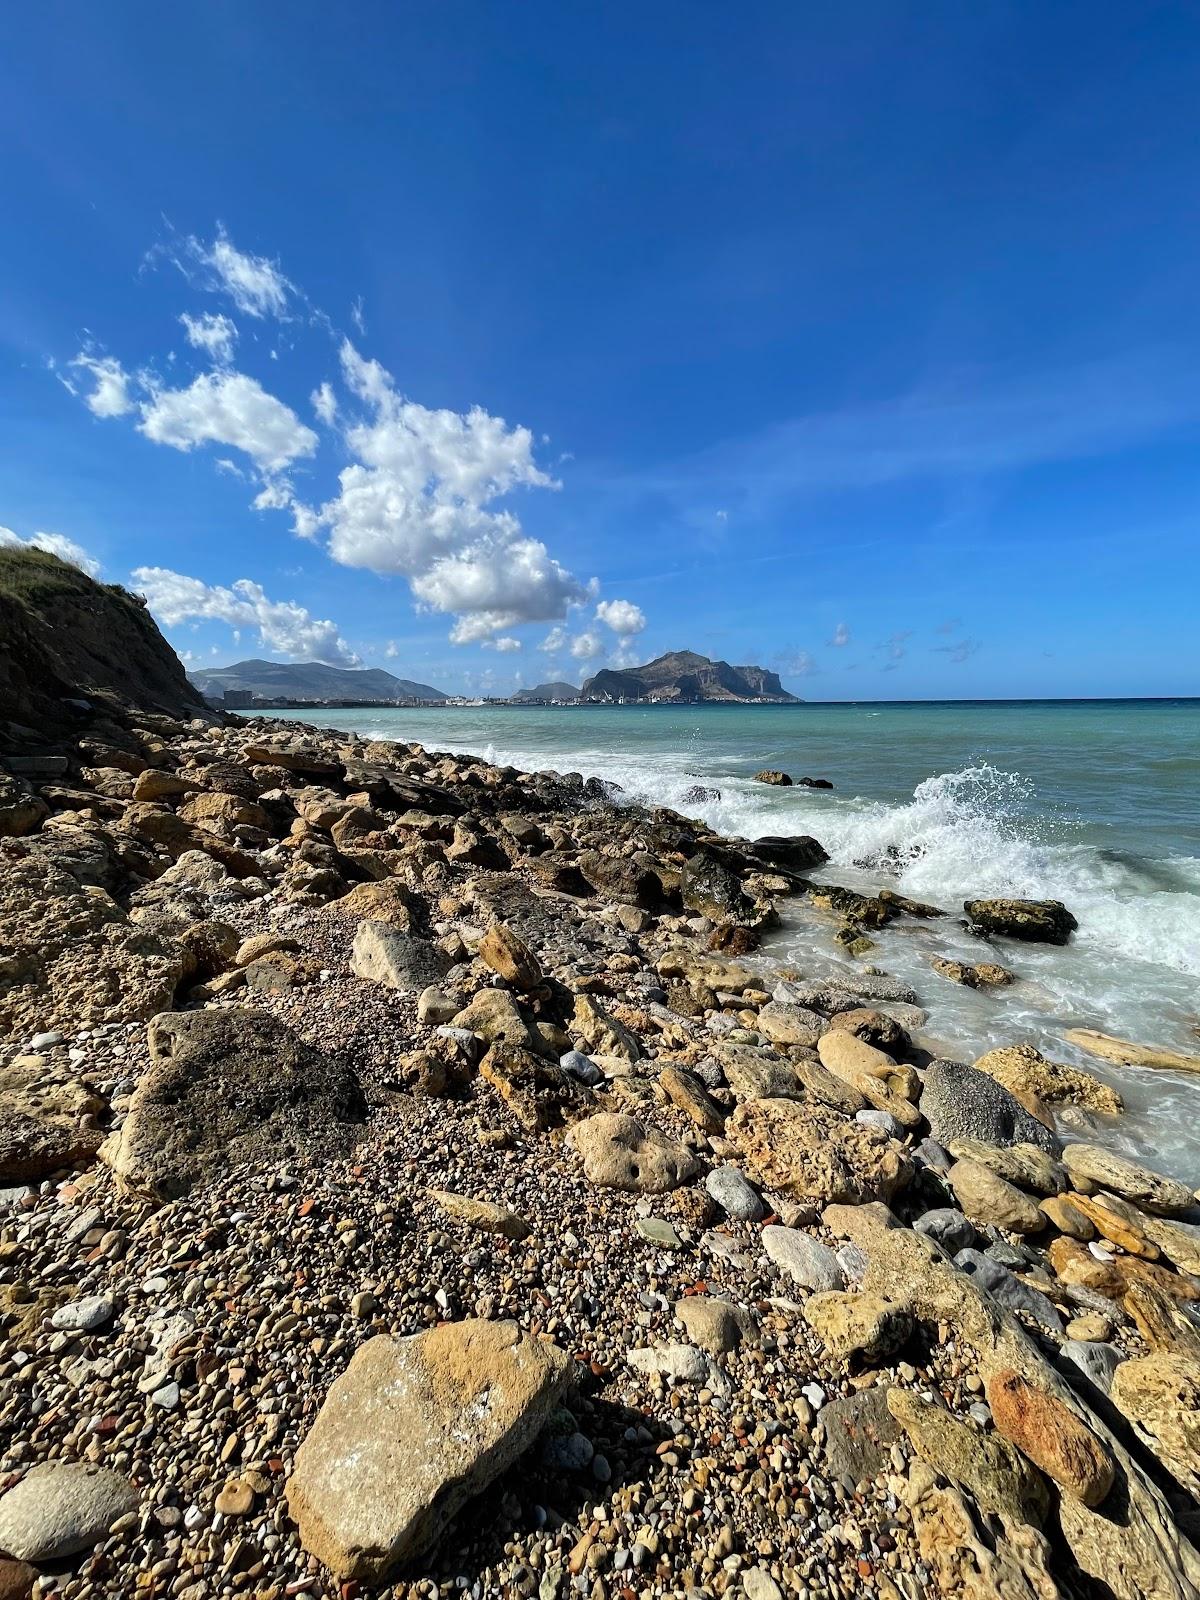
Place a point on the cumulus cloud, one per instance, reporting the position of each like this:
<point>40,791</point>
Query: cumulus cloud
<point>587,646</point>
<point>841,635</point>
<point>283,626</point>
<point>554,641</point>
<point>110,397</point>
<point>622,616</point>
<point>211,332</point>
<point>232,409</point>
<point>506,644</point>
<point>417,501</point>
<point>57,544</point>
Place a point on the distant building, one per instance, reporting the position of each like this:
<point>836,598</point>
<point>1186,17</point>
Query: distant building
<point>238,699</point>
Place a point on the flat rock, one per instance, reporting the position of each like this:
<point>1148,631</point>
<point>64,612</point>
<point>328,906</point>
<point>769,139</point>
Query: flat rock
<point>1160,1394</point>
<point>387,955</point>
<point>1007,1289</point>
<point>410,1432</point>
<point>224,1086</point>
<point>1023,1070</point>
<point>859,1433</point>
<point>807,1261</point>
<point>1092,1167</point>
<point>481,1214</point>
<point>994,1472</point>
<point>1128,1054</point>
<point>714,1324</point>
<point>683,1362</point>
<point>858,1325</point>
<point>1036,921</point>
<point>62,1507</point>
<point>736,1197</point>
<point>987,1199</point>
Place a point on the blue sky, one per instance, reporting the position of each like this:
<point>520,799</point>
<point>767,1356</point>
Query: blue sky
<point>492,343</point>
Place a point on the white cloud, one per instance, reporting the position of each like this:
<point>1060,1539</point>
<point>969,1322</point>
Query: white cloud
<point>110,397</point>
<point>392,651</point>
<point>841,635</point>
<point>587,646</point>
<point>283,626</point>
<point>213,333</point>
<point>799,664</point>
<point>417,501</point>
<point>228,408</point>
<point>622,616</point>
<point>554,641</point>
<point>506,644</point>
<point>324,403</point>
<point>256,285</point>
<point>356,315</point>
<point>57,544</point>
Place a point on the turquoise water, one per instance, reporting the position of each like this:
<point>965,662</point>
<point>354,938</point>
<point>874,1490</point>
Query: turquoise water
<point>1094,803</point>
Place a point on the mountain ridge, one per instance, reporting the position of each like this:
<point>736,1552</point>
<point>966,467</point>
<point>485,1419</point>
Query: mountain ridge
<point>310,680</point>
<point>685,677</point>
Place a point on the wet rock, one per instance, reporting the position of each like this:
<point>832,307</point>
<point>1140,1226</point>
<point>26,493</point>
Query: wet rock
<point>1125,1053</point>
<point>225,1086</point>
<point>713,890</point>
<point>1023,1070</point>
<point>774,776</point>
<point>960,1103</point>
<point>1037,921</point>
<point>1051,1435</point>
<point>619,1152</point>
<point>799,851</point>
<point>411,1431</point>
<point>60,1508</point>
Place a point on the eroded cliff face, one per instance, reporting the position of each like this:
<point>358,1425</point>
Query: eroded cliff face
<point>63,638</point>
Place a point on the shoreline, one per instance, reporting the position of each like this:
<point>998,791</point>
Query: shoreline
<point>707,1336</point>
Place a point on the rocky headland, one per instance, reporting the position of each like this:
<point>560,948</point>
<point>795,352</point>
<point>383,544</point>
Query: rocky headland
<point>416,1180</point>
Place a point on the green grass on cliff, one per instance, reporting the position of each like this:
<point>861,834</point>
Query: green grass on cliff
<point>35,578</point>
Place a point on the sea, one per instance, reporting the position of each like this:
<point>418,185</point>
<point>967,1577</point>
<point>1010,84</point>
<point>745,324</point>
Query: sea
<point>1095,803</point>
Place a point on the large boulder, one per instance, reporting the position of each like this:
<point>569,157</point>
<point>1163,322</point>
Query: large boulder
<point>410,1432</point>
<point>387,901</point>
<point>619,1152</point>
<point>1037,921</point>
<point>799,852</point>
<point>1052,1435</point>
<point>228,1086</point>
<point>959,1102</point>
<point>42,1120</point>
<point>69,956</point>
<point>810,1153</point>
<point>713,890</point>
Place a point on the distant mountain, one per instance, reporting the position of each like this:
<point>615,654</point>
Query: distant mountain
<point>549,691</point>
<point>685,677</point>
<point>310,680</point>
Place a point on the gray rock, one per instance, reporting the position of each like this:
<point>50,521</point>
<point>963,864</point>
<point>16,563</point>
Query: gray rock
<point>811,1264</point>
<point>929,1153</point>
<point>82,1316</point>
<point>581,1067</point>
<point>883,1120</point>
<point>383,954</point>
<point>1008,1290</point>
<point>949,1227</point>
<point>960,1102</point>
<point>734,1194</point>
<point>573,1453</point>
<point>60,1508</point>
<point>859,1434</point>
<point>1097,1362</point>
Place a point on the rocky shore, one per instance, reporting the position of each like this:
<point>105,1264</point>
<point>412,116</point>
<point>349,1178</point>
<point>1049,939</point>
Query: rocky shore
<point>415,1180</point>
